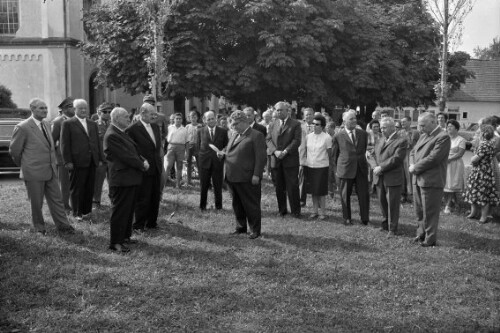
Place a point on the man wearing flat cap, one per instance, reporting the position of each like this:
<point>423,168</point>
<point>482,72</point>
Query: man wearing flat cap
<point>67,111</point>
<point>245,161</point>
<point>103,122</point>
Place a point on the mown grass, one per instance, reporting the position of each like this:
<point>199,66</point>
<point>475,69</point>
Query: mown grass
<point>300,276</point>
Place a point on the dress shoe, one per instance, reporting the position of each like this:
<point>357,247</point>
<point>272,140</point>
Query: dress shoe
<point>418,239</point>
<point>139,231</point>
<point>253,235</point>
<point>424,244</point>
<point>472,217</point>
<point>313,216</point>
<point>282,214</point>
<point>347,222</point>
<point>130,241</point>
<point>481,221</point>
<point>365,222</point>
<point>391,234</point>
<point>322,217</point>
<point>67,231</point>
<point>42,232</point>
<point>302,204</point>
<point>297,215</point>
<point>238,232</point>
<point>79,219</point>
<point>384,229</point>
<point>119,248</point>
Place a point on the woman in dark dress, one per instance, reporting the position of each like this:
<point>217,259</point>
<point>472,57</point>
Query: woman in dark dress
<point>481,191</point>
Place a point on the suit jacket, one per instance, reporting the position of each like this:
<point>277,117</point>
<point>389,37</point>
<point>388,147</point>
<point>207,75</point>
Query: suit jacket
<point>284,137</point>
<point>245,157</point>
<point>125,166</point>
<point>347,157</point>
<point>30,149</point>
<point>390,155</point>
<point>56,135</point>
<point>260,128</point>
<point>206,156</point>
<point>430,159</point>
<point>146,147</point>
<point>79,148</point>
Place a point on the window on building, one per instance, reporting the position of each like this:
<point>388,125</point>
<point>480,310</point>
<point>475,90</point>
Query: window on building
<point>9,17</point>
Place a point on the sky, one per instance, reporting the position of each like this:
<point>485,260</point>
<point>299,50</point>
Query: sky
<point>481,26</point>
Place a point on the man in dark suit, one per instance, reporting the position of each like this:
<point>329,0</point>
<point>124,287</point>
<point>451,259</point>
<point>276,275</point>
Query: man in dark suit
<point>33,148</point>
<point>349,149</point>
<point>250,113</point>
<point>388,173</point>
<point>210,163</point>
<point>283,141</point>
<point>103,122</point>
<point>245,161</point>
<point>428,163</point>
<point>67,111</point>
<point>411,137</point>
<point>82,153</point>
<point>126,168</point>
<point>147,137</point>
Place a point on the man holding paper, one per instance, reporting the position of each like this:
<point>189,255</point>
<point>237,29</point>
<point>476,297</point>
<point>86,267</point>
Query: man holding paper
<point>211,140</point>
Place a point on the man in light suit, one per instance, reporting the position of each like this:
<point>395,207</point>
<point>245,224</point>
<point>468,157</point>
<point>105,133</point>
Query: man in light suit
<point>126,168</point>
<point>411,137</point>
<point>428,163</point>
<point>283,141</point>
<point>32,148</point>
<point>388,173</point>
<point>245,161</point>
<point>82,153</point>
<point>67,111</point>
<point>210,163</point>
<point>349,157</point>
<point>147,136</point>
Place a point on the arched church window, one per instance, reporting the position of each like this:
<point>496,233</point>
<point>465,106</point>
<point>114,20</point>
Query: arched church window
<point>9,17</point>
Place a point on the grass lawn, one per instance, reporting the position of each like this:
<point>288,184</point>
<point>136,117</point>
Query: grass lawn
<point>300,276</point>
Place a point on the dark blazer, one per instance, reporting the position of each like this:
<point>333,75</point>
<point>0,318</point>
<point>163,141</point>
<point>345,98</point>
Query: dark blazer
<point>260,128</point>
<point>286,137</point>
<point>245,157</point>
<point>390,155</point>
<point>56,135</point>
<point>146,147</point>
<point>79,148</point>
<point>125,165</point>
<point>346,157</point>
<point>430,159</point>
<point>206,155</point>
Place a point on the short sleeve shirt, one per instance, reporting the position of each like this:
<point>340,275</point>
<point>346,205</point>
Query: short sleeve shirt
<point>317,146</point>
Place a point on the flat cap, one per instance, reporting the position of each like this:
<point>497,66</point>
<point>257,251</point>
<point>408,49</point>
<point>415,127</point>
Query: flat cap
<point>68,101</point>
<point>149,98</point>
<point>105,106</point>
<point>238,116</point>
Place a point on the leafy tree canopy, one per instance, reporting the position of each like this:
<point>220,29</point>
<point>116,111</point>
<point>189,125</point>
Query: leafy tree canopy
<point>257,52</point>
<point>491,52</point>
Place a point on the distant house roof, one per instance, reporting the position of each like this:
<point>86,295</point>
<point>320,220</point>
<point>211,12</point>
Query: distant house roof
<point>485,87</point>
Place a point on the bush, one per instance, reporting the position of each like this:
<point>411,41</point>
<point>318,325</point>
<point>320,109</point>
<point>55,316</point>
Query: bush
<point>6,98</point>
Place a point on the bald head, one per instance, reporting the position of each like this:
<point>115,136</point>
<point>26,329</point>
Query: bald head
<point>148,113</point>
<point>209,119</point>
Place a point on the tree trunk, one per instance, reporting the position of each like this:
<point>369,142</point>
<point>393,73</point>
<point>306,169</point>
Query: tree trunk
<point>444,60</point>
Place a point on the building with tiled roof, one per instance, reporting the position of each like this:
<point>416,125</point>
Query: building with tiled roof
<point>480,96</point>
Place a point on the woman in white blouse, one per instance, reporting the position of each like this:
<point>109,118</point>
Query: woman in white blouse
<point>318,151</point>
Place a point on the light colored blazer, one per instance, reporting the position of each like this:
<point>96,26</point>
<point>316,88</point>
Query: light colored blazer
<point>430,159</point>
<point>30,150</point>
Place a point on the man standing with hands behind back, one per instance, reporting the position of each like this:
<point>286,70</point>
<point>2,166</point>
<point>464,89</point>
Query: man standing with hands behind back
<point>82,153</point>
<point>428,163</point>
<point>147,136</point>
<point>32,148</point>
<point>349,157</point>
<point>283,141</point>
<point>245,161</point>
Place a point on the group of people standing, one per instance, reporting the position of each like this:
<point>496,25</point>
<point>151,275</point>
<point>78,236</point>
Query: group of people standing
<point>303,157</point>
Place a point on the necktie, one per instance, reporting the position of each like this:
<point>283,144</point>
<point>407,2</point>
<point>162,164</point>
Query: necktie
<point>149,129</point>
<point>353,138</point>
<point>44,132</point>
<point>212,134</point>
